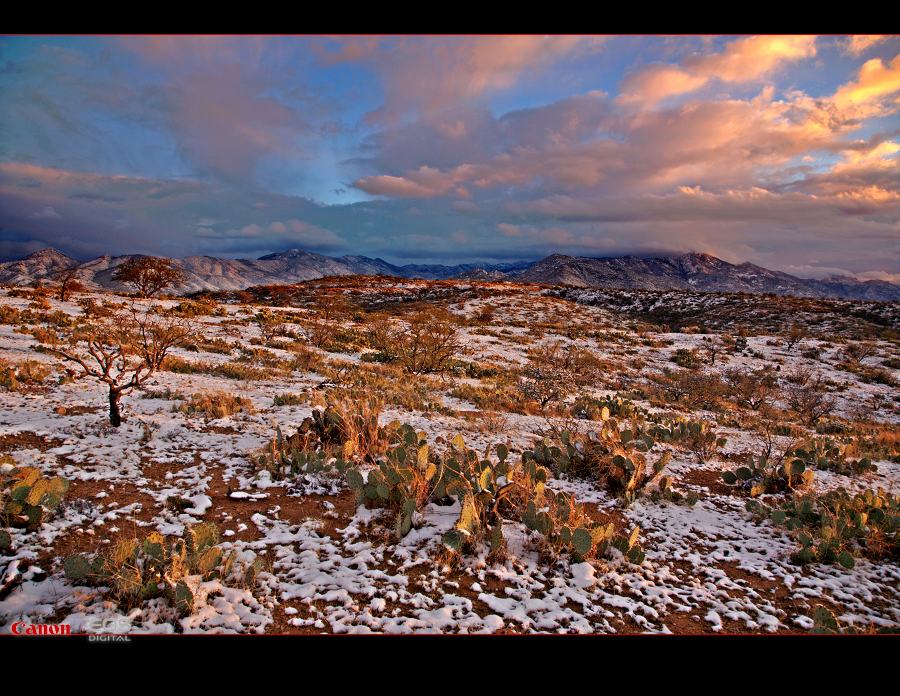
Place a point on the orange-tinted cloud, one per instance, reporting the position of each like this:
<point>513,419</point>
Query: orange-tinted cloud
<point>428,76</point>
<point>860,43</point>
<point>875,83</point>
<point>743,60</point>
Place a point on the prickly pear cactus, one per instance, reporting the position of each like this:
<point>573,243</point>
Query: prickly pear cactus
<point>27,498</point>
<point>137,570</point>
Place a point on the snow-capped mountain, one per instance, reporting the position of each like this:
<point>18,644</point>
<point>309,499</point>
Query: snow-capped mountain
<point>698,272</point>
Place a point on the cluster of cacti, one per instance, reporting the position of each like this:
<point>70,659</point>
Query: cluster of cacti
<point>489,490</point>
<point>664,491</point>
<point>759,475</point>
<point>616,456</point>
<point>823,453</point>
<point>403,480</point>
<point>484,489</point>
<point>824,621</point>
<point>322,430</point>
<point>589,408</point>
<point>349,425</point>
<point>28,497</point>
<point>695,436</point>
<point>835,527</point>
<point>136,571</point>
<point>567,528</point>
<point>287,457</point>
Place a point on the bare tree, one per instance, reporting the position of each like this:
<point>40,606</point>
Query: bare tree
<point>122,351</point>
<point>552,374</point>
<point>860,350</point>
<point>148,274</point>
<point>711,348</point>
<point>68,281</point>
<point>795,334</point>
<point>810,400</point>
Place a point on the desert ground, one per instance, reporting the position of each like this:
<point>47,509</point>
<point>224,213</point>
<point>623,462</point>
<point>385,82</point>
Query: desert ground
<point>368,454</point>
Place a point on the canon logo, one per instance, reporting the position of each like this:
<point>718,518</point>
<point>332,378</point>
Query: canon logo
<point>20,628</point>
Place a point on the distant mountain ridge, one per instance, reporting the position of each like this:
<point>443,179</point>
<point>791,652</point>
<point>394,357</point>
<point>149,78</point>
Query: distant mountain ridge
<point>693,271</point>
<point>697,272</point>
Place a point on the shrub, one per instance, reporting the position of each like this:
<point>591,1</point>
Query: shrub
<point>201,307</point>
<point>858,351</point>
<point>428,341</point>
<point>554,372</point>
<point>795,334</point>
<point>712,348</point>
<point>808,397</point>
<point>10,315</point>
<point>686,358</point>
<point>289,399</point>
<point>692,388</point>
<point>752,389</point>
<point>30,372</point>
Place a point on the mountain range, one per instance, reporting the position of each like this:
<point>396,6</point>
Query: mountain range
<point>693,271</point>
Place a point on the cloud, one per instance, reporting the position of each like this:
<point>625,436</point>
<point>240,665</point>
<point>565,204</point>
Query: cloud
<point>875,82</point>
<point>454,148</point>
<point>406,187</point>
<point>744,60</point>
<point>426,76</point>
<point>280,234</point>
<point>582,144</point>
<point>860,43</point>
<point>223,102</point>
<point>47,213</point>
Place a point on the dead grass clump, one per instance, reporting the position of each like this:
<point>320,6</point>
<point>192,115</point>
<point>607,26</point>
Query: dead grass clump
<point>236,370</point>
<point>200,307</point>
<point>289,399</point>
<point>344,425</point>
<point>217,404</point>
<point>16,376</point>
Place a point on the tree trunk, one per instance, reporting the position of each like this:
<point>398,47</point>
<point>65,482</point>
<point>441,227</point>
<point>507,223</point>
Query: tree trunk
<point>115,418</point>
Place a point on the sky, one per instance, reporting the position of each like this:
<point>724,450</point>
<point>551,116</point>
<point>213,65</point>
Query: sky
<point>779,150</point>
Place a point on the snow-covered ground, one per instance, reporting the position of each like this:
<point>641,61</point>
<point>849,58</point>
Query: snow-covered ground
<point>330,565</point>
